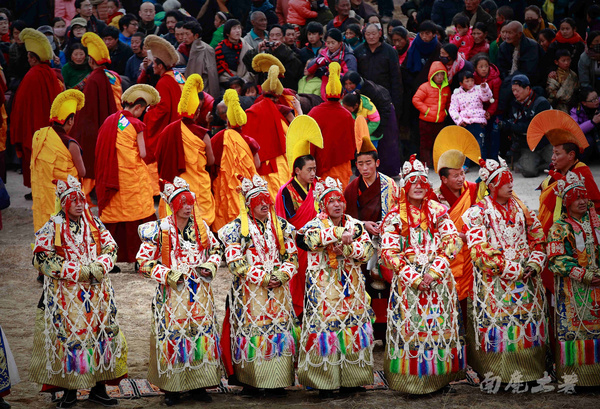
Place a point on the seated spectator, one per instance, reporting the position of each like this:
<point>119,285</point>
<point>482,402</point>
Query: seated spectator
<point>566,38</point>
<point>230,53</point>
<point>314,34</point>
<point>128,25</point>
<point>119,52</point>
<point>562,83</point>
<point>217,37</point>
<point>200,57</point>
<point>334,50</point>
<point>487,72</point>
<point>545,38</point>
<point>310,83</point>
<point>85,10</point>
<point>132,69</point>
<point>258,33</point>
<point>588,76</point>
<point>455,63</point>
<point>475,14</point>
<point>361,105</point>
<point>524,107</point>
<point>534,22</point>
<point>77,67</point>
<point>586,114</point>
<point>341,20</point>
<point>527,58</point>
<point>462,38</point>
<point>299,11</point>
<point>113,13</point>
<point>147,13</point>
<point>480,42</point>
<point>401,42</point>
<point>353,36</point>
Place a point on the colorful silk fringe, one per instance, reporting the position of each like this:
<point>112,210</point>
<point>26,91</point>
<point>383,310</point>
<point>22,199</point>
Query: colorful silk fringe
<point>426,364</point>
<point>511,338</point>
<point>580,352</point>
<point>182,350</point>
<point>269,346</point>
<point>349,340</point>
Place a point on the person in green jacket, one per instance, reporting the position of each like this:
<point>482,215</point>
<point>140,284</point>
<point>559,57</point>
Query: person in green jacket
<point>220,19</point>
<point>77,67</point>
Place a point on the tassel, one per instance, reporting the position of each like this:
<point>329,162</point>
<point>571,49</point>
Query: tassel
<point>324,350</point>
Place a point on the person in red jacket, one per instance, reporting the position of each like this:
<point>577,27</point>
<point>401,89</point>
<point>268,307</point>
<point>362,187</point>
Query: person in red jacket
<point>487,72</point>
<point>432,100</point>
<point>299,11</point>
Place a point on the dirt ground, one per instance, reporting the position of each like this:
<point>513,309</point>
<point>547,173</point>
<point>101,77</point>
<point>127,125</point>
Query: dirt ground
<point>19,294</point>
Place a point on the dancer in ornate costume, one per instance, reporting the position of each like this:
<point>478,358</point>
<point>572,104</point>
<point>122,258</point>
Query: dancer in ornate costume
<point>336,346</point>
<point>77,342</point>
<point>182,255</point>
<point>573,255</point>
<point>507,326</point>
<point>425,347</point>
<point>9,376</point>
<point>261,254</point>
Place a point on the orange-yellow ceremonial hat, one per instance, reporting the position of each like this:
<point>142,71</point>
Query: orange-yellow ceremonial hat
<point>333,89</point>
<point>189,101</point>
<point>37,43</point>
<point>235,114</point>
<point>96,48</point>
<point>452,146</point>
<point>558,127</point>
<point>262,63</point>
<point>303,131</point>
<point>162,49</point>
<point>272,85</point>
<point>66,103</point>
<point>141,91</point>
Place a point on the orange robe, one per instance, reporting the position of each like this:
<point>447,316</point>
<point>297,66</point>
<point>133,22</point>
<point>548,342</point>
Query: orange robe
<point>50,160</point>
<point>237,158</point>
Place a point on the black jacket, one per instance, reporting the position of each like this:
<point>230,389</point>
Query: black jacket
<point>530,56</point>
<point>119,57</point>
<point>380,96</point>
<point>294,69</point>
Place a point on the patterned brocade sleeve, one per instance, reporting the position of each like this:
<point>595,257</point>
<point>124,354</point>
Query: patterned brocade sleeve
<point>535,237</point>
<point>108,256</point>
<point>214,253</point>
<point>149,255</point>
<point>561,254</point>
<point>392,243</point>
<point>361,248</point>
<point>449,248</point>
<point>289,259</point>
<point>45,259</point>
<point>484,256</point>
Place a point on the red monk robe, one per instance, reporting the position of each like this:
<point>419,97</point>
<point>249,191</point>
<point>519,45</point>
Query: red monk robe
<point>298,207</point>
<point>337,128</point>
<point>100,103</point>
<point>462,268</point>
<point>372,203</point>
<point>31,110</point>
<point>550,208</point>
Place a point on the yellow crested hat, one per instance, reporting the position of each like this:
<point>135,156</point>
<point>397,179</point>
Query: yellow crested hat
<point>361,134</point>
<point>141,91</point>
<point>96,48</point>
<point>334,84</point>
<point>558,127</point>
<point>235,114</point>
<point>189,101</point>
<point>262,63</point>
<point>37,43</point>
<point>162,49</point>
<point>367,145</point>
<point>303,131</point>
<point>272,85</point>
<point>452,146</point>
<point>66,103</point>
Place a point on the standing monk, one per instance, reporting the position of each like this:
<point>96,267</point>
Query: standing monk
<point>452,145</point>
<point>369,198</point>
<point>234,153</point>
<point>55,155</point>
<point>102,91</point>
<point>337,127</point>
<point>123,183</point>
<point>295,201</point>
<point>184,150</point>
<point>33,99</point>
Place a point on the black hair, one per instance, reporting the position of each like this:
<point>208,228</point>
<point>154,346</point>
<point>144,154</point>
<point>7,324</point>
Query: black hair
<point>355,28</point>
<point>452,51</point>
<point>8,13</point>
<point>400,31</point>
<point>111,31</point>
<point>460,20</point>
<point>352,76</point>
<point>569,21</point>
<point>277,26</point>
<point>17,25</point>
<point>352,98</point>
<point>140,101</point>
<point>54,20</point>
<point>507,12</point>
<point>285,27</point>
<point>300,162</point>
<point>590,38</point>
<point>235,80</point>
<point>583,93</point>
<point>158,61</point>
<point>535,9</point>
<point>73,47</point>
<point>176,14</point>
<point>549,34</point>
<point>334,34</point>
<point>480,57</point>
<point>116,2</point>
<point>373,154</point>
<point>126,20</point>
<point>314,27</point>
<point>248,86</point>
<point>67,119</point>
<point>395,23</point>
<point>78,3</point>
<point>463,75</point>
<point>571,147</point>
<point>180,24</point>
<point>140,35</point>
<point>194,27</point>
<point>427,25</point>
<point>444,172</point>
<point>561,52</point>
<point>481,27</point>
<point>441,33</point>
<point>229,24</point>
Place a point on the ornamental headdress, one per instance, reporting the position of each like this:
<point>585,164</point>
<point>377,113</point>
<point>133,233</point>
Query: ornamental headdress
<point>37,43</point>
<point>453,145</point>
<point>235,114</point>
<point>558,127</point>
<point>272,85</point>
<point>302,132</point>
<point>162,49</point>
<point>496,172</point>
<point>333,89</point>
<point>96,48</point>
<point>141,91</point>
<point>66,103</point>
<point>263,62</point>
<point>414,171</point>
<point>189,100</point>
<point>569,187</point>
<point>68,191</point>
<point>328,189</point>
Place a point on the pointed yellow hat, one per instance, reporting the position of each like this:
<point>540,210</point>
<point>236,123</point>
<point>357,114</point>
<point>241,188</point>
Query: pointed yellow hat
<point>272,85</point>
<point>66,103</point>
<point>96,48</point>
<point>189,101</point>
<point>558,127</point>
<point>37,43</point>
<point>361,133</point>
<point>262,63</point>
<point>235,114</point>
<point>303,131</point>
<point>334,84</point>
<point>367,145</point>
<point>452,146</point>
<point>141,91</point>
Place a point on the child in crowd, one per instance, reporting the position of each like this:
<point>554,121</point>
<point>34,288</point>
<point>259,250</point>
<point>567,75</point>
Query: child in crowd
<point>353,36</point>
<point>431,100</point>
<point>250,90</point>
<point>480,42</point>
<point>361,105</point>
<point>545,38</point>
<point>217,37</point>
<point>486,72</point>
<point>466,106</point>
<point>463,38</point>
<point>310,83</point>
<point>563,82</point>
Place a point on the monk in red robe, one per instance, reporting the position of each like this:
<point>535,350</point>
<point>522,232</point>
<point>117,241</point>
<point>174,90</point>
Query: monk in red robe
<point>33,99</point>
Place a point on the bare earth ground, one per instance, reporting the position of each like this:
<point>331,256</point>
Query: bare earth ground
<point>19,295</point>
